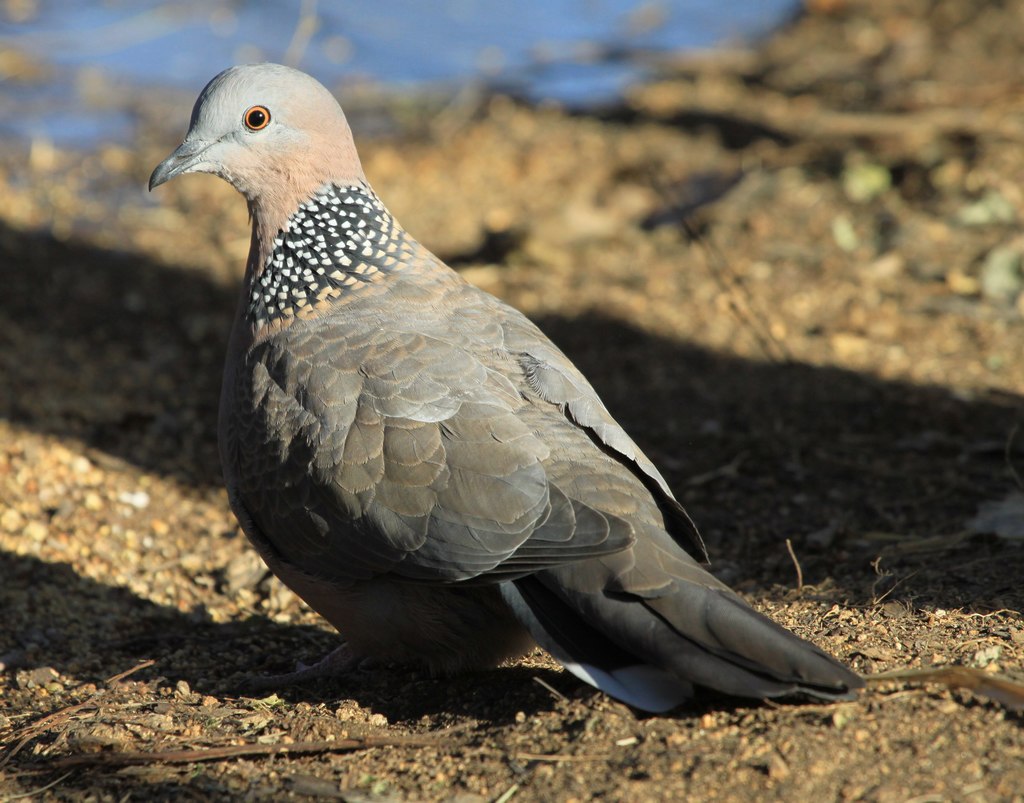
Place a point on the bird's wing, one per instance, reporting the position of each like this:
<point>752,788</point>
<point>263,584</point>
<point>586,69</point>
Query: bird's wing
<point>362,451</point>
<point>554,378</point>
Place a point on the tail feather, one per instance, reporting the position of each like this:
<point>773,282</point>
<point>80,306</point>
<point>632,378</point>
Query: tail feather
<point>588,654</point>
<point>651,652</point>
<point>751,641</point>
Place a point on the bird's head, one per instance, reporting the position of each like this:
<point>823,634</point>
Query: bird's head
<point>274,133</point>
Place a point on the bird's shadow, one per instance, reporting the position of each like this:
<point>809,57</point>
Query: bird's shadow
<point>123,355</point>
<point>114,629</point>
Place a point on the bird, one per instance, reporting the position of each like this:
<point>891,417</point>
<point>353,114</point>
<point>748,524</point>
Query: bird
<point>420,464</point>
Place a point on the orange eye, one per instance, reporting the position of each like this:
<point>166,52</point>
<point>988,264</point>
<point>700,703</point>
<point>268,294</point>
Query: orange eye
<point>257,118</point>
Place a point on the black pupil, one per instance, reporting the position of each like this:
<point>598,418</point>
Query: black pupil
<point>257,118</point>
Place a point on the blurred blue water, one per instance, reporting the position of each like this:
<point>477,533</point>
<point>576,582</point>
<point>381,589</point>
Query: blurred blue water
<point>546,48</point>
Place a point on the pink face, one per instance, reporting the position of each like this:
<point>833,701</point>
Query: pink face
<point>275,134</point>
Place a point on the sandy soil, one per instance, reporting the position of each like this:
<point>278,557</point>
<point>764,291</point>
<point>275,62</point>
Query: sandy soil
<point>793,273</point>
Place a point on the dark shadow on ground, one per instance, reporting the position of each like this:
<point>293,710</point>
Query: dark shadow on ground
<point>113,629</point>
<point>114,350</point>
<point>788,450</point>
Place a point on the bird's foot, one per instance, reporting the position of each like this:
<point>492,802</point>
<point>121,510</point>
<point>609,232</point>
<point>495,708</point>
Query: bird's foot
<point>338,663</point>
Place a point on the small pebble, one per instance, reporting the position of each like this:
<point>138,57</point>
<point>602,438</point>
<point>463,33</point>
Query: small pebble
<point>991,208</point>
<point>865,182</point>
<point>1001,277</point>
<point>11,520</point>
<point>137,499</point>
<point>844,234</point>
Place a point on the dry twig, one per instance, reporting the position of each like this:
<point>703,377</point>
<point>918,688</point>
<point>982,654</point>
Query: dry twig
<point>555,692</point>
<point>1006,692</point>
<point>32,730</point>
<point>40,790</point>
<point>799,571</point>
<point>233,751</point>
<point>742,302</point>
<point>306,26</point>
<point>1008,455</point>
<point>558,757</point>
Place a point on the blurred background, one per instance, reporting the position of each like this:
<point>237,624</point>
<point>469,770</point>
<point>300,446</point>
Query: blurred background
<point>60,57</point>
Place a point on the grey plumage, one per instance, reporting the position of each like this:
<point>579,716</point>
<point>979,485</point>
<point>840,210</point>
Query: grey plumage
<point>423,466</point>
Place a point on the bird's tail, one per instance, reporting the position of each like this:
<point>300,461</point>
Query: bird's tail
<point>650,647</point>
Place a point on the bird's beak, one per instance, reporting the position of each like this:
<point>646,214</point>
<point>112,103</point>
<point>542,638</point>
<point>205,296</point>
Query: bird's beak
<point>184,160</point>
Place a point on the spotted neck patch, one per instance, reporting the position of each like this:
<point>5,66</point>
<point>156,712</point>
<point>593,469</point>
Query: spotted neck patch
<point>339,240</point>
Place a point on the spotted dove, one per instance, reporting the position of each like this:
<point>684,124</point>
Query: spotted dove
<point>420,464</point>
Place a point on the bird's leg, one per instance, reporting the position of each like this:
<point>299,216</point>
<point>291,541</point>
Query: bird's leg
<point>338,663</point>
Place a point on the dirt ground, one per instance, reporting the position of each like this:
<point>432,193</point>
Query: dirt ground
<point>793,273</point>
